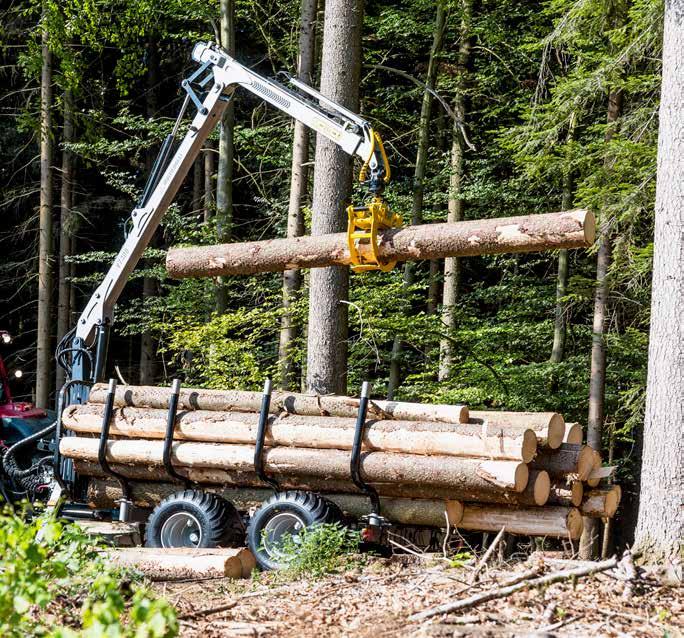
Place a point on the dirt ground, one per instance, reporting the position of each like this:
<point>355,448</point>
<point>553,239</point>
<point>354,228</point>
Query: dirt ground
<point>378,598</point>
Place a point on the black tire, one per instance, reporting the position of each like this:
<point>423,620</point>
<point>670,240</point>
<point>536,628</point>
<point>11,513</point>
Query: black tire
<point>296,509</point>
<point>193,518</point>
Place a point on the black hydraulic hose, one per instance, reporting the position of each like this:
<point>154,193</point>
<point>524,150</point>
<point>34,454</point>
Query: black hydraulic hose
<point>9,463</point>
<point>261,436</point>
<point>355,463</point>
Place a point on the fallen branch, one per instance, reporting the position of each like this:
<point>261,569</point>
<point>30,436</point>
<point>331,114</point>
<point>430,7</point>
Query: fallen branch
<point>503,592</point>
<point>487,555</point>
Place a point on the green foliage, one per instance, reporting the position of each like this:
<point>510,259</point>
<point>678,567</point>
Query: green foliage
<point>318,550</point>
<point>55,583</point>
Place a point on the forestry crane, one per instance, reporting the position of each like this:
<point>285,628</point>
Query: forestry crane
<point>82,351</point>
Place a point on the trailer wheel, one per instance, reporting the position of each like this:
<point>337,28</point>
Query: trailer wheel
<point>286,513</point>
<point>193,518</point>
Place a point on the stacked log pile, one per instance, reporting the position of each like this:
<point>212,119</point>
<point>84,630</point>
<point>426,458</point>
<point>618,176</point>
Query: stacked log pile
<point>432,465</point>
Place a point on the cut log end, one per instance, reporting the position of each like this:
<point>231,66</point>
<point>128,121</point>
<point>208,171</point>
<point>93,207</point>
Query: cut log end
<point>585,462</point>
<point>556,432</point>
<point>542,487</point>
<point>602,503</point>
<point>575,523</point>
<point>529,446</point>
<point>573,433</point>
<point>522,475</point>
<point>576,493</point>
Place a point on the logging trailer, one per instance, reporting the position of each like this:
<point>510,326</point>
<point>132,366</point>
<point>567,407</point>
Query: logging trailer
<point>208,517</point>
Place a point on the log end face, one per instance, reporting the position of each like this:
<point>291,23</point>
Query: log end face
<point>612,502</point>
<point>589,223</point>
<point>573,433</point>
<point>576,493</point>
<point>454,512</point>
<point>574,523</point>
<point>556,432</point>
<point>585,462</point>
<point>529,446</point>
<point>522,475</point>
<point>542,488</point>
<point>463,414</point>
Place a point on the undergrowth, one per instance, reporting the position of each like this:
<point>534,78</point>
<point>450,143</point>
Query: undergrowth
<point>319,550</point>
<point>54,583</point>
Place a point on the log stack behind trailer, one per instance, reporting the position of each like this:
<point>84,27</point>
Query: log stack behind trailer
<point>433,465</point>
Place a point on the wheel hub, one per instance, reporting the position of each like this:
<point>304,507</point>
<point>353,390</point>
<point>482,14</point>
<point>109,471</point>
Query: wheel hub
<point>181,530</point>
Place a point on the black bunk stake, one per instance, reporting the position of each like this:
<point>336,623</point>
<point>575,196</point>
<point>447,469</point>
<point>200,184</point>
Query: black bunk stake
<point>374,520</point>
<point>261,435</point>
<point>168,435</point>
<point>126,500</point>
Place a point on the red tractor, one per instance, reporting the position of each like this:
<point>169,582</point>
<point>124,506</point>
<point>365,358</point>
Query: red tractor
<point>20,420</point>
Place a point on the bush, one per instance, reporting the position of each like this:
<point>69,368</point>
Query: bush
<point>54,583</point>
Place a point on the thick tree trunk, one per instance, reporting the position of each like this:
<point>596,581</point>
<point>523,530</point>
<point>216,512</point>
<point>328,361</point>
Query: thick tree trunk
<point>65,230</point>
<point>660,526</point>
<point>468,478</point>
<point>44,332</point>
<point>224,180</point>
<point>573,229</point>
<point>292,278</point>
<point>410,437</point>
<point>209,197</point>
<point>597,376</point>
<point>452,267</point>
<point>326,367</point>
<point>419,172</point>
<point>197,185</point>
<point>281,402</point>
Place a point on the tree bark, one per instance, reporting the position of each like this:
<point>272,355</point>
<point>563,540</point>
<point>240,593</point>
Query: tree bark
<point>567,493</point>
<point>410,437</point>
<point>292,278</point>
<point>601,503</point>
<point>597,375</point>
<point>574,229</point>
<point>209,197</point>
<point>468,478</point>
<point>224,180</point>
<point>575,460</point>
<point>44,332</point>
<point>419,172</point>
<point>452,266</point>
<point>326,367</point>
<point>281,402</point>
<point>660,526</point>
<point>65,230</point>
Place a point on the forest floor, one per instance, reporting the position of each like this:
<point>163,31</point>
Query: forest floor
<point>376,597</point>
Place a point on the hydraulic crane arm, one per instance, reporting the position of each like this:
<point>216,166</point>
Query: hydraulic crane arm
<point>218,76</point>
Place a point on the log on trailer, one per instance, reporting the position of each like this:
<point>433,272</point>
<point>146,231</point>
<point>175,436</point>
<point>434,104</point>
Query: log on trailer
<point>411,437</point>
<point>281,402</point>
<point>548,426</point>
<point>569,229</point>
<point>467,476</point>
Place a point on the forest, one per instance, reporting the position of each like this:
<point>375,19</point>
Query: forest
<point>486,110</point>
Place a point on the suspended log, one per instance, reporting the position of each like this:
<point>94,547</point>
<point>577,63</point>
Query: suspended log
<point>560,522</point>
<point>185,563</point>
<point>600,474</point>
<point>429,512</point>
<point>601,503</point>
<point>412,437</point>
<point>573,433</point>
<point>549,427</point>
<point>281,402</point>
<point>566,493</point>
<point>569,459</point>
<point>533,494</point>
<point>461,475</point>
<point>570,229</point>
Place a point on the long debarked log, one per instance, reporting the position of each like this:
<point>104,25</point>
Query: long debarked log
<point>411,437</point>
<point>534,494</point>
<point>569,459</point>
<point>462,475</point>
<point>405,511</point>
<point>560,522</point>
<point>548,426</point>
<point>570,229</point>
<point>281,402</point>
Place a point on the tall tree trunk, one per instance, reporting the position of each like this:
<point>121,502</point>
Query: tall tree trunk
<point>660,526</point>
<point>452,265</point>
<point>209,198</point>
<point>419,174</point>
<point>560,320</point>
<point>148,346</point>
<point>43,340</point>
<point>224,183</point>
<point>197,185</point>
<point>597,376</point>
<point>340,74</point>
<point>65,230</point>
<point>292,279</point>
